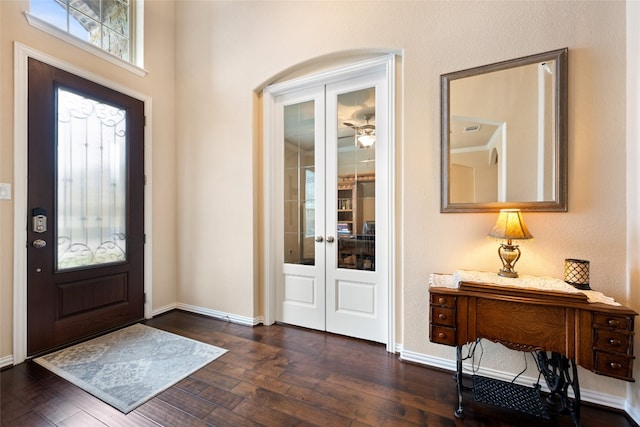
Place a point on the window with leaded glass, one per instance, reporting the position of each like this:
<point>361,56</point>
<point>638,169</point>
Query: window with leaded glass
<point>107,24</point>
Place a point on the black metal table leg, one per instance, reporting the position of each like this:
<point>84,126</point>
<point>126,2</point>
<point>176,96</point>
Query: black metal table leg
<point>561,374</point>
<point>458,412</point>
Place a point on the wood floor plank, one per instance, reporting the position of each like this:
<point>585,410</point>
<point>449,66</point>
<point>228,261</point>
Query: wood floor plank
<point>30,419</point>
<point>221,397</point>
<point>80,419</point>
<point>165,414</point>
<point>260,377</point>
<point>222,417</point>
<point>56,409</point>
<point>401,399</point>
<point>187,402</point>
<point>276,376</point>
<point>209,377</point>
<point>306,412</point>
<point>13,408</point>
<point>362,408</point>
<point>192,385</point>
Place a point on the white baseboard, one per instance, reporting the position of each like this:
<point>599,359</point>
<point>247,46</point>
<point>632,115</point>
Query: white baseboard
<point>6,361</point>
<point>634,413</point>
<point>160,310</point>
<point>233,318</point>
<point>586,395</point>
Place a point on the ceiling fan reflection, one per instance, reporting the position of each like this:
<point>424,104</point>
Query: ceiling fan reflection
<point>366,133</point>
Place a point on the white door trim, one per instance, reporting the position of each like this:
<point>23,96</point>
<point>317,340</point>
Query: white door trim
<point>270,267</point>
<point>22,53</point>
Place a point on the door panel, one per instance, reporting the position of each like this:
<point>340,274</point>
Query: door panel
<point>302,291</point>
<point>357,185</point>
<point>356,298</point>
<point>86,177</point>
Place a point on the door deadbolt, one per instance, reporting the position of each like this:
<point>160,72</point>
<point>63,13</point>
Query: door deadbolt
<point>39,218</point>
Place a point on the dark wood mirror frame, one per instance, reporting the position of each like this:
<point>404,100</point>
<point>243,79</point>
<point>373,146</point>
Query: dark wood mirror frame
<point>559,202</point>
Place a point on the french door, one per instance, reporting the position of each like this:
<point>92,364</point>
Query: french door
<point>333,228</point>
<point>85,199</point>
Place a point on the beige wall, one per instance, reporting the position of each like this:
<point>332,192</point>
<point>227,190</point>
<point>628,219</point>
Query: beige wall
<point>159,84</point>
<point>207,180</point>
<point>227,51</point>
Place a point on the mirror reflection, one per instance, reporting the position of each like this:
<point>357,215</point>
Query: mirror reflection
<point>504,135</point>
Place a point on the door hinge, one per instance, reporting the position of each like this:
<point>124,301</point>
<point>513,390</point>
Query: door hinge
<point>144,239</point>
<point>145,179</point>
<point>145,298</point>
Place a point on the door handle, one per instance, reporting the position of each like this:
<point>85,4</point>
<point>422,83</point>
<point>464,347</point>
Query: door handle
<point>330,239</point>
<point>319,239</point>
<point>39,243</point>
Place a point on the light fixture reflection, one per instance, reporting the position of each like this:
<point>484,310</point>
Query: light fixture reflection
<point>366,140</point>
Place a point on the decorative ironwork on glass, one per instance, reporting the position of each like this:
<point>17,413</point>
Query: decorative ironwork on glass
<point>91,198</point>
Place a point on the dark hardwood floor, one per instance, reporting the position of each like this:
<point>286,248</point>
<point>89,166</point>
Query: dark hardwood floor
<point>273,376</point>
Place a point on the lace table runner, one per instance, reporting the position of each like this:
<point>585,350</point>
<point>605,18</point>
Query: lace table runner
<point>524,282</point>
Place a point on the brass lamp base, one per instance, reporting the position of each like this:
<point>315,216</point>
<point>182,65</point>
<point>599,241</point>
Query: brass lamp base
<point>509,255</point>
<point>507,273</point>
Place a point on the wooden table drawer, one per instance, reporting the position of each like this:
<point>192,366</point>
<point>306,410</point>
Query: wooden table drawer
<point>612,321</point>
<point>443,300</point>
<point>443,316</point>
<point>613,341</point>
<point>614,365</point>
<point>442,335</point>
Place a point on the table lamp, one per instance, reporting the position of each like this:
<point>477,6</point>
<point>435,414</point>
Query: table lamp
<point>509,226</point>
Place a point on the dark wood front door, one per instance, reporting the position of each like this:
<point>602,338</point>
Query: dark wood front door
<point>85,234</point>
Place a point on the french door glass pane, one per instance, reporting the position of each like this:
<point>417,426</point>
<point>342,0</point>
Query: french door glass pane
<point>299,183</point>
<point>356,180</point>
<point>91,182</point>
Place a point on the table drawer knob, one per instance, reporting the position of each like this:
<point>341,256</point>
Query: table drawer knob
<point>615,365</point>
<point>613,322</point>
<point>442,316</point>
<point>442,335</point>
<point>442,300</point>
<point>614,342</point>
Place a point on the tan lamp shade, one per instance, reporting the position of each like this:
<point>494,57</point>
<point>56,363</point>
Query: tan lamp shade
<point>510,226</point>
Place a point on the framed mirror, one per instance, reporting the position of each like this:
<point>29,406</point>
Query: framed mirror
<point>504,135</point>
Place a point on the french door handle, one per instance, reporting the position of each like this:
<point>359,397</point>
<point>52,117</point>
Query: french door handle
<point>39,243</point>
<point>319,239</point>
<point>330,239</point>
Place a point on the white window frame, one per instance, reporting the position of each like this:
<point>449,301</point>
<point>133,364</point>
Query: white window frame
<point>136,34</point>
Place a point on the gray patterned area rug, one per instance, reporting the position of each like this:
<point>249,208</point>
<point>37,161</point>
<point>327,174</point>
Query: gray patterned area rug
<point>128,367</point>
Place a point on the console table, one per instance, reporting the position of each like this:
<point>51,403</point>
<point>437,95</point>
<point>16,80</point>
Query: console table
<point>596,336</point>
